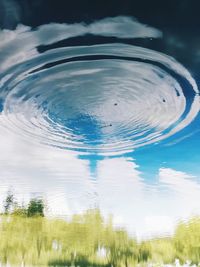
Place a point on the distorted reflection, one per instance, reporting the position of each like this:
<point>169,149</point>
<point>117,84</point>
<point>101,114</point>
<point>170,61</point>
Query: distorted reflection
<point>107,126</point>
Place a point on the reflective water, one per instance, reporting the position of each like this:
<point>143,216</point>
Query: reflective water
<point>109,121</point>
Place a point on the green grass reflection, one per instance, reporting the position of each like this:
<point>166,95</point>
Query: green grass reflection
<point>28,238</point>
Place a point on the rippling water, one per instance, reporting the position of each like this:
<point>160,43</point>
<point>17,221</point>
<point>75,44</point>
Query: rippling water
<point>76,120</point>
<point>102,98</point>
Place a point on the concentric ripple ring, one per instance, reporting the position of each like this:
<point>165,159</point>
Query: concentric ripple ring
<point>108,98</point>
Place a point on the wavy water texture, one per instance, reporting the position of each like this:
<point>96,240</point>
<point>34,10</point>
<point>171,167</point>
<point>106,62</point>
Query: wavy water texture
<point>106,98</point>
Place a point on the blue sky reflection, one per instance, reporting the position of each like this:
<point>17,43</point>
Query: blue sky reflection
<point>131,150</point>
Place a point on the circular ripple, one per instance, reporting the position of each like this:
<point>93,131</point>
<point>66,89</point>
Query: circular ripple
<point>103,98</point>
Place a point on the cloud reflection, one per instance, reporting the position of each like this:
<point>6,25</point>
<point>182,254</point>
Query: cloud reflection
<point>63,180</point>
<point>61,176</point>
<point>21,44</point>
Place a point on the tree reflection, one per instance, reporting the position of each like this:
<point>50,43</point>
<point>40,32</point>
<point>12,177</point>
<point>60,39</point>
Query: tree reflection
<point>30,238</point>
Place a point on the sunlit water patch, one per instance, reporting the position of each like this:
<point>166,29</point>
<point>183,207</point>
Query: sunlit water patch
<point>104,98</point>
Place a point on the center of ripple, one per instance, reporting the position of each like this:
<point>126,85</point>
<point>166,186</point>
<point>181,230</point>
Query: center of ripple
<point>105,105</point>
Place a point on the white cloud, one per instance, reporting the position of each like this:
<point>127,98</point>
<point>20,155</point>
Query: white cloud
<point>30,169</point>
<point>21,44</point>
<point>66,184</point>
<point>184,191</point>
<point>159,225</point>
<point>123,27</point>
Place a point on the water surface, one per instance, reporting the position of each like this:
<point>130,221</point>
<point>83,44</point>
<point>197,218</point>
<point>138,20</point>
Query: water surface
<point>111,123</point>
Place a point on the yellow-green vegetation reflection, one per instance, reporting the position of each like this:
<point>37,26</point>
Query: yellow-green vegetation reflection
<point>29,238</point>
